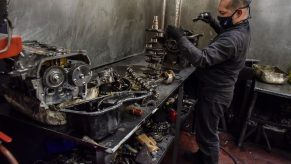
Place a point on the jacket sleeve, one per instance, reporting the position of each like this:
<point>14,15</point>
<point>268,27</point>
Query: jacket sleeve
<point>217,52</point>
<point>215,25</point>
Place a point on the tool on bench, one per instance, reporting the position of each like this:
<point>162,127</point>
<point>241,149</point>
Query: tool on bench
<point>149,142</point>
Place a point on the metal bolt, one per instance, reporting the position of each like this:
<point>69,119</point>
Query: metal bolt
<point>82,76</point>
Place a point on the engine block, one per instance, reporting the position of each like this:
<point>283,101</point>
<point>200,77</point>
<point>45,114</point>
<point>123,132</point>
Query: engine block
<point>46,75</point>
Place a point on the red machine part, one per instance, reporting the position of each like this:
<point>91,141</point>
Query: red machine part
<point>172,115</point>
<point>14,49</point>
<point>5,138</point>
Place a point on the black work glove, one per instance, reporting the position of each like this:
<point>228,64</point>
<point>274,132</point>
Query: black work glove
<point>205,17</point>
<point>174,32</point>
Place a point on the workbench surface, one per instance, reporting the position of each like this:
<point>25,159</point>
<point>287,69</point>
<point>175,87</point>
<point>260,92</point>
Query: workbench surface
<point>128,125</point>
<point>272,89</point>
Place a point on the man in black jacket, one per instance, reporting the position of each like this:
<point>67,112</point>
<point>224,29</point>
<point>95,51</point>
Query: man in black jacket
<point>218,66</point>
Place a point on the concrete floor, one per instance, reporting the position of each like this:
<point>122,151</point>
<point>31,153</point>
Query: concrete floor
<point>249,154</point>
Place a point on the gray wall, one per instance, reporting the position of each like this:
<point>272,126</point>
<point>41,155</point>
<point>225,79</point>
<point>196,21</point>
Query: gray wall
<point>271,39</point>
<point>112,29</point>
<point>270,24</point>
<point>108,29</point>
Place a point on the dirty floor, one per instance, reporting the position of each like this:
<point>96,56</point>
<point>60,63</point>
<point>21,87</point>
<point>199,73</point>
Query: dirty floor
<point>249,154</point>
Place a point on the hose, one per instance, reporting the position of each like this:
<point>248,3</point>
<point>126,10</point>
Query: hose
<point>118,104</point>
<point>230,155</point>
<point>8,155</point>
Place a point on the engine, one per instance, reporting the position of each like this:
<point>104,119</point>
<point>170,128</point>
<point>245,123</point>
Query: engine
<point>43,76</point>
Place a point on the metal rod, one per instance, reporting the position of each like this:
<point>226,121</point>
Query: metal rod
<point>8,155</point>
<point>178,123</point>
<point>178,12</point>
<point>163,14</point>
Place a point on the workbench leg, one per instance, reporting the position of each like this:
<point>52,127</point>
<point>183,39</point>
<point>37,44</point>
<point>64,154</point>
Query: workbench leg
<point>178,124</point>
<point>100,157</point>
<point>248,117</point>
<point>266,139</point>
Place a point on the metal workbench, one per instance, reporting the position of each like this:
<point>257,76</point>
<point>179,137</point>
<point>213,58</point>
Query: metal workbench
<point>276,90</point>
<point>283,91</point>
<point>128,125</point>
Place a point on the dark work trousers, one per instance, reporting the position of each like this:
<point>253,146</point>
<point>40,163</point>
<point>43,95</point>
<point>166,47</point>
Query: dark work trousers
<point>208,113</point>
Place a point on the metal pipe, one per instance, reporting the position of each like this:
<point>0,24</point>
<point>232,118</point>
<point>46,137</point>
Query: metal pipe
<point>8,155</point>
<point>163,14</point>
<point>178,12</point>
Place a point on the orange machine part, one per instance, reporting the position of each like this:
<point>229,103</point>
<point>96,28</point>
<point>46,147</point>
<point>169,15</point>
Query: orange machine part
<point>14,49</point>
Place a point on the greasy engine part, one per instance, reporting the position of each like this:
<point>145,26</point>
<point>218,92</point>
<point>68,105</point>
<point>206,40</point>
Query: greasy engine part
<point>162,50</point>
<point>270,74</point>
<point>125,155</point>
<point>77,156</point>
<point>30,107</point>
<point>154,50</point>
<point>142,83</point>
<point>46,76</point>
<point>106,76</point>
<point>95,126</point>
<point>173,51</point>
<point>158,130</point>
<point>134,110</point>
<point>170,45</point>
<point>109,81</point>
<point>162,127</point>
<point>100,117</point>
<point>168,77</point>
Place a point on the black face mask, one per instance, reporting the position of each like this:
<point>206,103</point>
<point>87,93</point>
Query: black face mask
<point>226,22</point>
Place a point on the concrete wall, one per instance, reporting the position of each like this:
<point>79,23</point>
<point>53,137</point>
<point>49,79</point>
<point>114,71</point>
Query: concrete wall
<point>112,29</point>
<point>108,29</point>
<point>271,39</point>
<point>270,24</point>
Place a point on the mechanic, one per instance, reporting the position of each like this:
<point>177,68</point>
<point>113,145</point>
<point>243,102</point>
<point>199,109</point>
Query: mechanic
<point>218,66</point>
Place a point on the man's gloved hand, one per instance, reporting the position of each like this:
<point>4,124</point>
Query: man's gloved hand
<point>205,17</point>
<point>174,32</point>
